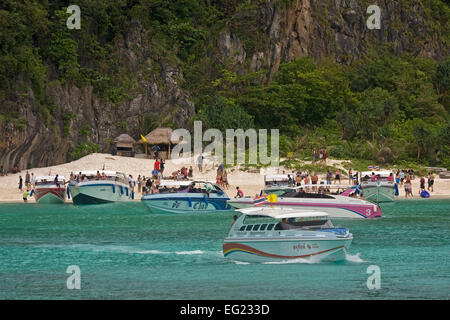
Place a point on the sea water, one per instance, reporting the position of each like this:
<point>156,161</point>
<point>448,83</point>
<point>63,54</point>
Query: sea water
<point>125,252</point>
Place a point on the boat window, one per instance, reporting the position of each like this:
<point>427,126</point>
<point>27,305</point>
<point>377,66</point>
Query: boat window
<point>242,228</point>
<point>263,227</point>
<point>256,227</point>
<point>306,195</point>
<point>249,227</point>
<point>270,226</point>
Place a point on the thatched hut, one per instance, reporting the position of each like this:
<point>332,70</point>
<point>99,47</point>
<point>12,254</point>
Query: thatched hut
<point>160,139</point>
<point>124,145</point>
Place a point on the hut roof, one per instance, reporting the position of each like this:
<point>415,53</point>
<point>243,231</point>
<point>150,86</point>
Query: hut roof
<point>160,136</point>
<point>124,138</point>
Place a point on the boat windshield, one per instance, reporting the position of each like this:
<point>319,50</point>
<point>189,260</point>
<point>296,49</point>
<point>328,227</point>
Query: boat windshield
<point>290,223</point>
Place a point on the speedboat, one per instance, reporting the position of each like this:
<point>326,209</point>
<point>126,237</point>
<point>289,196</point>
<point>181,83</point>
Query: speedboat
<point>186,196</point>
<point>48,189</point>
<point>379,190</point>
<point>264,234</point>
<point>88,188</point>
<point>337,206</point>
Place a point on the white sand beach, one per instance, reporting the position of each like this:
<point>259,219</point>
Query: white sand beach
<point>250,182</point>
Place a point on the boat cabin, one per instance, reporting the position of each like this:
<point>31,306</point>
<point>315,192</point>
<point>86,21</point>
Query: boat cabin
<point>276,219</point>
<point>189,187</point>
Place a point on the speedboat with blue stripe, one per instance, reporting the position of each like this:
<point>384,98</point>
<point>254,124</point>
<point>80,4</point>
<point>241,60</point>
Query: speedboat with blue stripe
<point>90,188</point>
<point>187,196</point>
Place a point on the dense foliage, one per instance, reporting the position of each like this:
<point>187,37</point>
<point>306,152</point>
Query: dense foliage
<point>384,107</point>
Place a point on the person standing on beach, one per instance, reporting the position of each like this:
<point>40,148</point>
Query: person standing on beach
<point>314,180</point>
<point>298,180</point>
<point>408,188</point>
<point>161,166</point>
<point>314,155</point>
<point>350,176</point>
<point>337,177</point>
<point>422,184</point>
<point>200,162</point>
<point>27,179</point>
<point>20,183</point>
<point>139,182</point>
<point>157,165</point>
<point>329,176</point>
<point>431,183</point>
<point>324,157</point>
<point>402,177</point>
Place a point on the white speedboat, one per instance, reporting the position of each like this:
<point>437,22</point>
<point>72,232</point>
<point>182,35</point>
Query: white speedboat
<point>381,188</point>
<point>88,188</point>
<point>264,234</point>
<point>336,206</point>
<point>186,196</point>
<point>48,189</point>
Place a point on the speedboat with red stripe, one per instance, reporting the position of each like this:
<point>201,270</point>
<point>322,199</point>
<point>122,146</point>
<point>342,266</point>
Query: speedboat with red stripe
<point>266,234</point>
<point>49,189</point>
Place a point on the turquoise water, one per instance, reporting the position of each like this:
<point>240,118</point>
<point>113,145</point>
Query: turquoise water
<point>124,252</point>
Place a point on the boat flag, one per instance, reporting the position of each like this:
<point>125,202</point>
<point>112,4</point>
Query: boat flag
<point>143,138</point>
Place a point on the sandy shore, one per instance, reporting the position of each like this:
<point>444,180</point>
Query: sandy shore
<point>250,182</point>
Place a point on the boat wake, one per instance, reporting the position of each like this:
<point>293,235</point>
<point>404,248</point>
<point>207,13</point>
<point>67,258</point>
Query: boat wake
<point>311,260</point>
<point>190,252</point>
<point>354,258</point>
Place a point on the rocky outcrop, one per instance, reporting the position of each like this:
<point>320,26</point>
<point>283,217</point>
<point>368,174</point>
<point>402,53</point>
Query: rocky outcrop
<point>95,120</point>
<point>322,29</point>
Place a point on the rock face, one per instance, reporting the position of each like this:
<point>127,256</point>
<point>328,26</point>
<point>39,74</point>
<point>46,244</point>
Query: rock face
<point>94,120</point>
<point>338,29</point>
<point>288,29</point>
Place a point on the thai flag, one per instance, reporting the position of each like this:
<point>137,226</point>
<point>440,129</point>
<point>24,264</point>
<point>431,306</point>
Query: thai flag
<point>370,167</point>
<point>377,167</point>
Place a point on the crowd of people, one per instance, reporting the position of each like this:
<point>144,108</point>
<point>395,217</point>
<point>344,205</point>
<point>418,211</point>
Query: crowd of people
<point>321,155</point>
<point>222,177</point>
<point>299,177</point>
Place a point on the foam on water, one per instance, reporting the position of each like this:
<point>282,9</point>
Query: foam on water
<point>299,260</point>
<point>190,252</point>
<point>240,262</point>
<point>353,258</point>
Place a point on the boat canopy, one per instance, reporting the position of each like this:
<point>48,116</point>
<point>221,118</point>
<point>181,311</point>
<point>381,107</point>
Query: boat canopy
<point>328,186</point>
<point>382,173</point>
<point>94,172</point>
<point>280,213</point>
<point>174,183</point>
<point>49,178</point>
<point>276,177</point>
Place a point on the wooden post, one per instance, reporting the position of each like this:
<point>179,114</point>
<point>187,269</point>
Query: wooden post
<point>168,155</point>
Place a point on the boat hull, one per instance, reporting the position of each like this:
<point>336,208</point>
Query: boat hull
<point>182,203</point>
<point>98,193</point>
<point>50,195</point>
<point>378,193</point>
<point>286,249</point>
<point>335,209</point>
